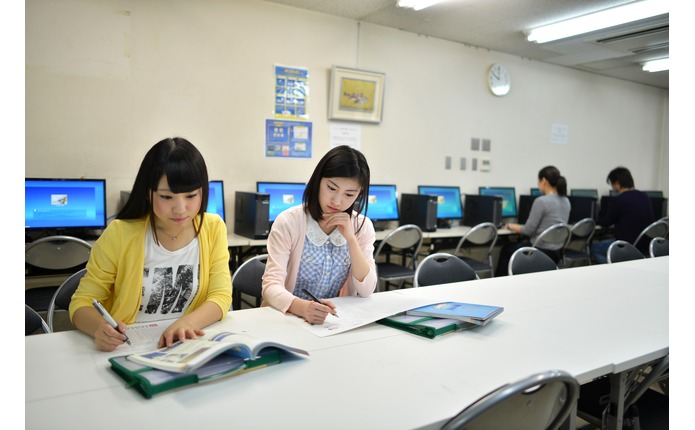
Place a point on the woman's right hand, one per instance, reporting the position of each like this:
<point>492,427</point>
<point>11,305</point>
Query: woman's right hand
<point>312,312</point>
<point>108,338</point>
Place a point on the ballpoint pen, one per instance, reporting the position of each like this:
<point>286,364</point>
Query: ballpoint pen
<point>109,319</point>
<point>313,297</point>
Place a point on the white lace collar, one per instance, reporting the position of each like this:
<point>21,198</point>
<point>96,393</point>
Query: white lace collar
<point>319,238</point>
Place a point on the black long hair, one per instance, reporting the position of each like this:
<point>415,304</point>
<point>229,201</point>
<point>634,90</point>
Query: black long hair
<point>554,178</point>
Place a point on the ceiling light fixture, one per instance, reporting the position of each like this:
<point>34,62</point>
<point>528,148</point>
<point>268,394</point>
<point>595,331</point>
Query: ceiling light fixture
<point>598,20</point>
<point>656,65</point>
<point>418,4</point>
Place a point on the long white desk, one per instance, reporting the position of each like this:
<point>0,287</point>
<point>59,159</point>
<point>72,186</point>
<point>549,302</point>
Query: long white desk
<point>589,321</point>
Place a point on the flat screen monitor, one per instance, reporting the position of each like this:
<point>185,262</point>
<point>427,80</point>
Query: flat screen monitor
<point>584,192</point>
<point>525,204</point>
<point>63,204</point>
<point>536,192</point>
<point>449,205</point>
<point>283,195</point>
<point>383,203</point>
<point>654,193</point>
<point>508,195</point>
<point>216,199</point>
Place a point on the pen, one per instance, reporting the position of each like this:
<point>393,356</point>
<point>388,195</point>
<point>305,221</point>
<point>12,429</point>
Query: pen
<point>313,297</point>
<point>108,318</point>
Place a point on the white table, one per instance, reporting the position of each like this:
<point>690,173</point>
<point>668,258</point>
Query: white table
<point>589,321</point>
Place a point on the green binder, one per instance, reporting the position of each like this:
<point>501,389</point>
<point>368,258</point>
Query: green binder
<point>429,327</point>
<point>149,381</point>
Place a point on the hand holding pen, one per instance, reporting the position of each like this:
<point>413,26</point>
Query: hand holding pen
<point>313,297</point>
<point>108,318</point>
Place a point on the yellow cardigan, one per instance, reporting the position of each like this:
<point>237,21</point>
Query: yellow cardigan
<point>116,264</point>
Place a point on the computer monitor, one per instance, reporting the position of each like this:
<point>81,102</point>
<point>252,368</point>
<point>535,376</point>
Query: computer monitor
<point>64,204</point>
<point>508,195</point>
<point>216,199</point>
<point>583,207</point>
<point>525,205</point>
<point>654,193</point>
<point>449,205</point>
<point>584,192</point>
<point>383,203</point>
<point>536,192</point>
<point>283,195</point>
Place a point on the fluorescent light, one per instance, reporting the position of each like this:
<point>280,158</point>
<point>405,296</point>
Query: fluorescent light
<point>656,65</point>
<point>418,4</point>
<point>598,20</point>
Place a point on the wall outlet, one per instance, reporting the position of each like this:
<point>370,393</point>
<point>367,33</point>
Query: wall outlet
<point>485,164</point>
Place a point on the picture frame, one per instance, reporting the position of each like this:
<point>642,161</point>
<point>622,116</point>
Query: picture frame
<point>356,95</point>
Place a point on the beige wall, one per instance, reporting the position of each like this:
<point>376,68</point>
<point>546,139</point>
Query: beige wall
<point>106,79</point>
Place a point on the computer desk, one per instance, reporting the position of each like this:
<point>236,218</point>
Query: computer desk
<point>590,321</point>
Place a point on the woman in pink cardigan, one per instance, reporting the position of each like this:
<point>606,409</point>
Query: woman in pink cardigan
<point>323,246</point>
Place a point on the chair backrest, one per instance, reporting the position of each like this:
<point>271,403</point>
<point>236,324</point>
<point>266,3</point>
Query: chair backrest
<point>481,234</point>
<point>61,298</point>
<point>658,247</point>
<point>33,321</point>
<point>620,250</point>
<point>248,279</point>
<point>57,252</point>
<point>442,268</point>
<point>528,259</point>
<point>556,234</point>
<point>658,228</point>
<point>540,401</point>
<point>583,229</point>
<point>407,238</point>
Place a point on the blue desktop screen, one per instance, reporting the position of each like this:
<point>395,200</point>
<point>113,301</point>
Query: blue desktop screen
<point>64,203</point>
<point>216,199</point>
<point>508,195</point>
<point>535,192</point>
<point>283,195</point>
<point>383,203</point>
<point>448,200</point>
<point>584,192</point>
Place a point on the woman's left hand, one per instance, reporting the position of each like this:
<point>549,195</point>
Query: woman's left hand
<point>341,220</point>
<point>179,330</point>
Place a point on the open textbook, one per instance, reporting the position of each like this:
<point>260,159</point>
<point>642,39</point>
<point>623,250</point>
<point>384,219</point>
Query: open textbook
<point>212,356</point>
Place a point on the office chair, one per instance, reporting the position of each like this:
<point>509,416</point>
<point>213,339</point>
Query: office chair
<point>583,230</point>
<point>644,407</point>
<point>60,302</point>
<point>442,268</point>
<point>623,251</point>
<point>405,240</point>
<point>658,247</point>
<point>540,401</point>
<point>33,322</point>
<point>248,280</point>
<point>658,228</point>
<point>483,234</point>
<point>557,234</point>
<point>530,260</point>
<point>53,255</point>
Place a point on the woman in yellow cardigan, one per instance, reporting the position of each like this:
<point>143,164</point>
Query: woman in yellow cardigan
<point>162,257</point>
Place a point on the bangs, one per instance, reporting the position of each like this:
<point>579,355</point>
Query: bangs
<point>183,177</point>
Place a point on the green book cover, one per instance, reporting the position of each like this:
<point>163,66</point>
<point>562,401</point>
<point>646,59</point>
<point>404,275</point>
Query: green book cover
<point>429,327</point>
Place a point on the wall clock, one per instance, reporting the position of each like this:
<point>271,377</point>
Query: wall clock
<point>499,80</point>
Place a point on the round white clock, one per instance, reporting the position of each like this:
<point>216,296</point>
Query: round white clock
<point>499,79</point>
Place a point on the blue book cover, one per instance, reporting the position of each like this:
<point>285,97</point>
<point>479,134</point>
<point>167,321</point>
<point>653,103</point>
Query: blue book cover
<point>469,312</point>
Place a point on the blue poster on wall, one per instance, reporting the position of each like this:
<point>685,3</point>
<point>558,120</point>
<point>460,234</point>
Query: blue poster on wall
<point>287,138</point>
<point>291,91</point>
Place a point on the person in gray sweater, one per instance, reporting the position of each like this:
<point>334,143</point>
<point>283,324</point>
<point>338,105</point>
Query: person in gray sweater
<point>552,207</point>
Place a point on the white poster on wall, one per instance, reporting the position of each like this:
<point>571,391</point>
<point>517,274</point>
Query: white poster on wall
<point>559,134</point>
<point>346,134</point>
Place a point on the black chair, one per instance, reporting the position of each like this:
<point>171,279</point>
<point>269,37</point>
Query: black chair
<point>404,243</point>
<point>658,228</point>
<point>623,251</point>
<point>530,260</point>
<point>538,402</point>
<point>248,280</point>
<point>556,236</point>
<point>33,322</point>
<point>442,268</point>
<point>60,302</point>
<point>645,401</point>
<point>481,235</point>
<point>658,247</point>
<point>582,231</point>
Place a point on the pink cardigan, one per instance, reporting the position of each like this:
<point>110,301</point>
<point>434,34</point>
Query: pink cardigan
<point>285,244</point>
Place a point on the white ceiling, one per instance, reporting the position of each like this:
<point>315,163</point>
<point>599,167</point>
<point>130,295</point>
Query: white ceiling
<point>498,25</point>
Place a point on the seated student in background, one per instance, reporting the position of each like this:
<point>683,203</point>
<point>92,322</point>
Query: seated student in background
<point>552,207</point>
<point>629,213</point>
<point>162,257</point>
<point>323,245</point>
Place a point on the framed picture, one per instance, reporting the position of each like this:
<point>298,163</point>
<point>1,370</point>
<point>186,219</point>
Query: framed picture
<point>356,95</point>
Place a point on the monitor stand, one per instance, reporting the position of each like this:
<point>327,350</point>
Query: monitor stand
<point>443,223</point>
<point>379,225</point>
